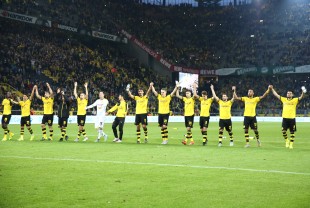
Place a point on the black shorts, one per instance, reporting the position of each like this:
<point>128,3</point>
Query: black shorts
<point>250,121</point>
<point>141,119</point>
<point>163,119</point>
<point>289,123</point>
<point>25,120</point>
<point>62,122</point>
<point>225,123</point>
<point>189,121</point>
<point>118,121</point>
<point>48,118</point>
<point>5,119</point>
<point>81,120</point>
<point>204,121</point>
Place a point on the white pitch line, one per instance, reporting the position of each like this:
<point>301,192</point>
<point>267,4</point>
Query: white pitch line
<point>159,164</point>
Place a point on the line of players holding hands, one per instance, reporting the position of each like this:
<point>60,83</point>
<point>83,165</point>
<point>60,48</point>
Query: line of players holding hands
<point>64,103</point>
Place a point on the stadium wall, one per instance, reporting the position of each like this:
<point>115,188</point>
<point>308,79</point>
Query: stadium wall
<point>36,119</point>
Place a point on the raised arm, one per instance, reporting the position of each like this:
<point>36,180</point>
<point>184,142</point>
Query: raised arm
<point>265,94</point>
<point>301,96</point>
<point>130,95</point>
<point>50,90</point>
<point>32,92</point>
<point>235,96</point>
<point>232,99</point>
<point>195,91</point>
<point>274,92</point>
<point>37,92</point>
<point>178,94</point>
<point>153,89</point>
<point>303,91</point>
<point>58,96</point>
<point>86,90</point>
<point>148,91</point>
<point>74,90</point>
<point>213,93</point>
<point>174,91</point>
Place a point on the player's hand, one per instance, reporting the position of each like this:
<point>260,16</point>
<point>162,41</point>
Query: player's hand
<point>233,88</point>
<point>304,90</point>
<point>152,84</point>
<point>195,85</point>
<point>75,84</point>
<point>47,84</point>
<point>211,86</point>
<point>128,87</point>
<point>177,83</point>
<point>86,84</point>
<point>270,87</point>
<point>58,90</point>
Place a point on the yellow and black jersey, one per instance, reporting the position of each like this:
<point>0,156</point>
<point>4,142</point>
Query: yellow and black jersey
<point>48,104</point>
<point>225,109</point>
<point>121,109</point>
<point>7,106</point>
<point>25,107</point>
<point>250,105</point>
<point>81,106</point>
<point>141,104</point>
<point>164,104</point>
<point>189,106</point>
<point>205,105</point>
<point>289,107</point>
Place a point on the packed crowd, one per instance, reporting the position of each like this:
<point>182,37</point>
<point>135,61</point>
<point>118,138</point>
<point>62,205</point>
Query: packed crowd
<point>227,37</point>
<point>74,13</point>
<point>249,35</point>
<point>35,55</point>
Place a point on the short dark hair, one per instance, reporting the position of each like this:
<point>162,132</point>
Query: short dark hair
<point>204,92</point>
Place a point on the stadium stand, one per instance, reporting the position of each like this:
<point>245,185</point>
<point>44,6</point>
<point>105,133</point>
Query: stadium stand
<point>193,37</point>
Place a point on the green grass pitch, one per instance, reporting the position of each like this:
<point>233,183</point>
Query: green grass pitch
<point>87,174</point>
